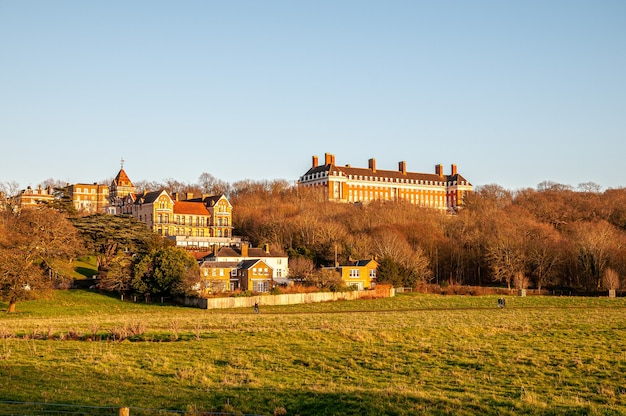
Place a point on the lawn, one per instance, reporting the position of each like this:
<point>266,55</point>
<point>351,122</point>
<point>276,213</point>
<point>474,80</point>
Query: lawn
<point>412,354</point>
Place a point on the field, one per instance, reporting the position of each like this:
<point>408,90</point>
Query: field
<point>412,354</point>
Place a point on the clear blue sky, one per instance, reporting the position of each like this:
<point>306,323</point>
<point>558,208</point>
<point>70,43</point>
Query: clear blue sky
<point>513,92</point>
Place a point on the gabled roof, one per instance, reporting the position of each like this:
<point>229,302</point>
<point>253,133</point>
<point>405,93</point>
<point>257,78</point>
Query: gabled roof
<point>252,252</point>
<point>219,264</point>
<point>210,200</point>
<point>122,179</point>
<point>190,208</point>
<point>248,264</point>
<point>150,197</point>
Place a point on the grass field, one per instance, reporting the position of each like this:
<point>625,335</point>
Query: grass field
<point>412,354</point>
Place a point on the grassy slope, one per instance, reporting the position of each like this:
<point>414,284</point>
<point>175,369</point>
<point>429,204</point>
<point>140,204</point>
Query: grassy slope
<point>418,354</point>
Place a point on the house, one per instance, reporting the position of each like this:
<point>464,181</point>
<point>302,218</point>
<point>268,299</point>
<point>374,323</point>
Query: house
<point>89,198</point>
<point>30,197</point>
<point>349,184</point>
<point>278,262</point>
<point>361,273</point>
<point>255,275</point>
<point>218,276</point>
<point>121,187</point>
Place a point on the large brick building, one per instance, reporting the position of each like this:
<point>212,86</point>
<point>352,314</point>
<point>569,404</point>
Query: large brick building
<point>349,184</point>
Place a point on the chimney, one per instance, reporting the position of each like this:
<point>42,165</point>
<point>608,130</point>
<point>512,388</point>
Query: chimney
<point>175,196</point>
<point>315,161</point>
<point>402,167</point>
<point>453,169</point>
<point>244,249</point>
<point>439,169</point>
<point>372,164</point>
<point>266,248</point>
<point>328,159</point>
<point>215,249</point>
<point>189,196</point>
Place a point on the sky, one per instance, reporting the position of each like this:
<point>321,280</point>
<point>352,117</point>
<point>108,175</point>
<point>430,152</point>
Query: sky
<point>513,92</point>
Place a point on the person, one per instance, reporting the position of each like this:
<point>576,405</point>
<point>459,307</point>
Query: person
<point>256,307</point>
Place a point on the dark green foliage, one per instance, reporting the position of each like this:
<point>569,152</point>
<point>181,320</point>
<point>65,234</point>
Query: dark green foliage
<point>166,271</point>
<point>107,235</point>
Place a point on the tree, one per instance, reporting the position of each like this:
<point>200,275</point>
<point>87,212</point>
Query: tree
<point>166,271</point>
<point>610,279</point>
<point>300,268</point>
<point>389,272</point>
<point>324,278</point>
<point>108,235</point>
<point>31,241</point>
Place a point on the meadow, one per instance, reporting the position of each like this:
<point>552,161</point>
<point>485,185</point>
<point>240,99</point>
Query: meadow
<point>411,354</point>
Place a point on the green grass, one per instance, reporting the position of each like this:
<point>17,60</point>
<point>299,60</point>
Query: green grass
<point>412,354</point>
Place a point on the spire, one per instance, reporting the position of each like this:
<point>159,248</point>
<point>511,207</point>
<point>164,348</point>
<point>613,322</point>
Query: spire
<point>122,163</point>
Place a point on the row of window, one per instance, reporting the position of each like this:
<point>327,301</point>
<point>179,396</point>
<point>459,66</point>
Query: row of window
<point>105,191</point>
<point>182,220</point>
<point>356,273</point>
<point>201,232</point>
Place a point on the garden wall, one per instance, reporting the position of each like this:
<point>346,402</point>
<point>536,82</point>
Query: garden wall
<point>290,299</point>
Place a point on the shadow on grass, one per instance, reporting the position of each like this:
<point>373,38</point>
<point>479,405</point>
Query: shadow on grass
<point>87,272</point>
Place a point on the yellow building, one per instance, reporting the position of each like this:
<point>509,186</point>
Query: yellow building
<point>88,198</point>
<point>361,273</point>
<point>32,197</point>
<point>181,219</point>
<point>348,184</point>
<point>255,275</point>
<point>218,276</point>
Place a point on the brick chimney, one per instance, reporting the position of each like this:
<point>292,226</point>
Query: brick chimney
<point>439,169</point>
<point>315,161</point>
<point>453,169</point>
<point>266,248</point>
<point>329,159</point>
<point>244,249</point>
<point>372,164</point>
<point>402,167</point>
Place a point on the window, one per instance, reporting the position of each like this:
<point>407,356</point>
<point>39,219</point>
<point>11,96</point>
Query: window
<point>355,273</point>
<point>260,286</point>
<point>373,274</point>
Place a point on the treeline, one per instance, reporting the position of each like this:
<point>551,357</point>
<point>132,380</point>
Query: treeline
<point>552,236</point>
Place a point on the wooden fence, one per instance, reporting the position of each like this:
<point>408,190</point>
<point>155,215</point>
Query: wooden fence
<point>290,299</point>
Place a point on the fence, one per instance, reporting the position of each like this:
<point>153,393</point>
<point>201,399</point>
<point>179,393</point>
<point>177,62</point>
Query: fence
<point>290,299</point>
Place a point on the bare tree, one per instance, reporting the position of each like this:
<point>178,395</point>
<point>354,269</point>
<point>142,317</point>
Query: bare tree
<point>610,279</point>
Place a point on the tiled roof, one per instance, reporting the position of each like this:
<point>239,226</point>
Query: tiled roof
<point>190,208</point>
<point>122,179</point>
<point>199,255</point>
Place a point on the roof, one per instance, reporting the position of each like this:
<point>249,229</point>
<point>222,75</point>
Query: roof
<point>380,173</point>
<point>209,200</point>
<point>149,197</point>
<point>252,252</point>
<point>190,208</point>
<point>219,264</point>
<point>248,264</point>
<point>122,179</point>
<point>361,263</point>
<point>199,255</point>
